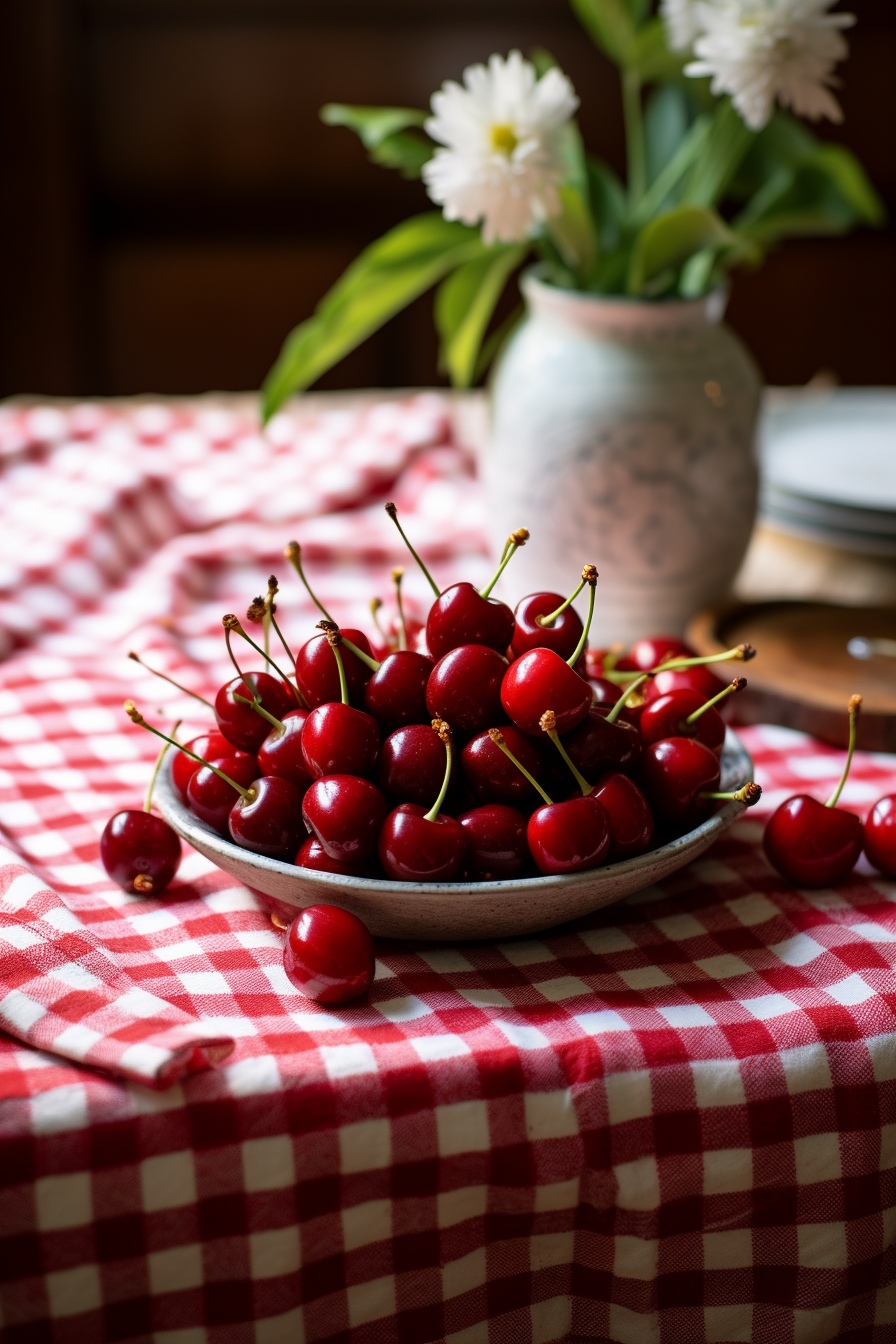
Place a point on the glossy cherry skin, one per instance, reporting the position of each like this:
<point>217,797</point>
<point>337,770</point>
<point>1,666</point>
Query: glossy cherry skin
<point>345,812</point>
<point>541,680</point>
<point>492,778</point>
<point>568,837</point>
<point>211,799</point>
<point>461,615</point>
<point>313,855</point>
<point>673,773</point>
<point>594,662</point>
<point>339,740</point>
<point>138,844</point>
<point>412,849</point>
<point>238,722</point>
<point>810,844</point>
<point>631,820</point>
<point>880,835</point>
<point>698,679</point>
<point>562,636</point>
<point>646,654</point>
<point>396,694</point>
<point>317,674</point>
<point>595,745</point>
<point>212,747</point>
<point>328,954</point>
<point>465,688</point>
<point>412,765</point>
<point>281,752</point>
<point>497,848</point>
<point>270,822</point>
<point>606,694</point>
<point>666,716</point>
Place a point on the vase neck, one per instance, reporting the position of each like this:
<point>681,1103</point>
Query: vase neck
<point>618,317</point>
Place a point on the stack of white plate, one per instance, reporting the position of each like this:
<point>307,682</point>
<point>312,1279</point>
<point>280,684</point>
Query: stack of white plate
<point>829,466</point>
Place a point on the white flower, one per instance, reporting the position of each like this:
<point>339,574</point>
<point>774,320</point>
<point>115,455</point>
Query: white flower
<point>502,161</point>
<point>682,27</point>
<point>760,51</point>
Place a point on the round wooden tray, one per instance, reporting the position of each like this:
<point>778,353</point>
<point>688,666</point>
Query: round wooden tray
<point>802,676</point>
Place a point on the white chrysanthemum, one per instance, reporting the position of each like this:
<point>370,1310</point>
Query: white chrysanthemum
<point>501,163</point>
<point>760,51</point>
<point>682,27</point>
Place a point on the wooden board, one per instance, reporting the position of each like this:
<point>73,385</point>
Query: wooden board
<point>802,675</point>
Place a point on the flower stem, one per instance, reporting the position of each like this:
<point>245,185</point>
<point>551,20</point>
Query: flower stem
<point>147,802</point>
<point>498,738</point>
<point>393,514</point>
<point>441,727</point>
<point>636,153</point>
<point>855,704</point>
<point>514,542</point>
<point>589,574</point>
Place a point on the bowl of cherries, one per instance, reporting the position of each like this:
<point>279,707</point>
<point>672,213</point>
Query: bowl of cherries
<point>483,774</point>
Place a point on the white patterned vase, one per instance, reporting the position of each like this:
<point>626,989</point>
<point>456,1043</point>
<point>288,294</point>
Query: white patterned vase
<point>623,435</point>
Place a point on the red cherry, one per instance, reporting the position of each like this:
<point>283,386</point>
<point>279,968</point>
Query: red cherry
<point>569,837</point>
<point>313,855</point>
<point>239,722</point>
<point>139,851</point>
<point>213,746</point>
<point>413,848</point>
<point>339,740</point>
<point>562,635</point>
<point>541,680</point>
<point>493,778</point>
<point>211,798</point>
<point>345,812</point>
<point>631,821</point>
<point>596,744</point>
<point>465,687</point>
<point>268,819</point>
<point>396,694</point>
<point>461,615</point>
<point>646,654</point>
<point>317,676</point>
<point>667,716</point>
<point>880,835</point>
<point>281,752</point>
<point>810,844</point>
<point>673,774</point>
<point>412,763</point>
<point>329,954</point>
<point>497,848</point>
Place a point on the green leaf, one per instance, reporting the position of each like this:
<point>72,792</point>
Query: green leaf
<point>465,302</point>
<point>610,24</point>
<point>385,133</point>
<point>496,340</point>
<point>670,239</point>
<point>543,61</point>
<point>650,56</point>
<point>665,186</point>
<point>385,278</point>
<point>609,205</point>
<point>827,193</point>
<point>727,144</point>
<point>783,143</point>
<point>573,233</point>
<point>668,117</point>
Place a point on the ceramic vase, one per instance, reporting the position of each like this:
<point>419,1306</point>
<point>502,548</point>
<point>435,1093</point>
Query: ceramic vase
<point>623,435</point>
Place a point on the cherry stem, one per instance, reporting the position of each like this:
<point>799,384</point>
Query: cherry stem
<point>611,658</point>
<point>749,795</point>
<point>293,553</point>
<point>147,802</point>
<point>855,704</point>
<point>514,542</point>
<point>737,684</point>
<point>376,605</point>
<point>589,574</point>
<point>397,576</point>
<point>623,699</point>
<point>742,653</point>
<point>498,738</point>
<point>393,514</point>
<point>135,716</point>
<point>440,727</point>
<point>268,615</point>
<point>135,657</point>
<point>546,621</point>
<point>335,639</point>
<point>330,627</point>
<point>255,703</point>
<point>230,622</point>
<point>548,724</point>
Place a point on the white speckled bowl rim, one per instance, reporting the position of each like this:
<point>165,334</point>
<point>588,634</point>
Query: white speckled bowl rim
<point>461,910</point>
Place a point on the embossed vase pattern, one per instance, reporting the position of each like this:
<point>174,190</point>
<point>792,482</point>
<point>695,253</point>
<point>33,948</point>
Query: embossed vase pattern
<point>623,434</point>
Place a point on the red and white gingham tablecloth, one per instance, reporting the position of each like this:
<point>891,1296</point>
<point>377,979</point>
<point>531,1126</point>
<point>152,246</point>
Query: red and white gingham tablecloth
<point>670,1123</point>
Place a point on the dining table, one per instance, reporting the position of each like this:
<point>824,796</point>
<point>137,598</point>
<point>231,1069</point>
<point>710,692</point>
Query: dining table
<point>671,1120</point>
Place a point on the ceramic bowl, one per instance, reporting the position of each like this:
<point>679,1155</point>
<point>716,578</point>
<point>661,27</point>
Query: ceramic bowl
<point>457,910</point>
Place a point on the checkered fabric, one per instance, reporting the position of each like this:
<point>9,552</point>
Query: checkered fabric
<point>673,1121</point>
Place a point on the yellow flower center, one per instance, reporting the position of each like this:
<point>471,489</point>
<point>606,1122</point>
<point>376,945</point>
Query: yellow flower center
<point>504,140</point>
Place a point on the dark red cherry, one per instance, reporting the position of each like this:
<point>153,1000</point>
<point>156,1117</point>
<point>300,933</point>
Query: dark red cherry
<point>465,688</point>
<point>140,852</point>
<point>238,722</point>
<point>415,849</point>
<point>497,848</point>
<point>210,746</point>
<point>880,835</point>
<point>673,773</point>
<point>396,694</point>
<point>317,675</point>
<point>280,753</point>
<point>606,693</point>
<point>810,844</point>
<point>599,660</point>
<point>595,745</point>
<point>461,615</point>
<point>339,740</point>
<point>328,954</point>
<point>211,798</point>
<point>569,837</point>
<point>645,654</point>
<point>538,681</point>
<point>562,635</point>
<point>699,679</point>
<point>269,820</point>
<point>667,715</point>
<point>345,812</point>
<point>631,820</point>
<point>412,764</point>
<point>313,855</point>
<point>492,778</point>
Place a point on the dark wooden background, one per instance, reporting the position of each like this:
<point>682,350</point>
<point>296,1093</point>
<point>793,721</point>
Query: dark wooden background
<point>172,204</point>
